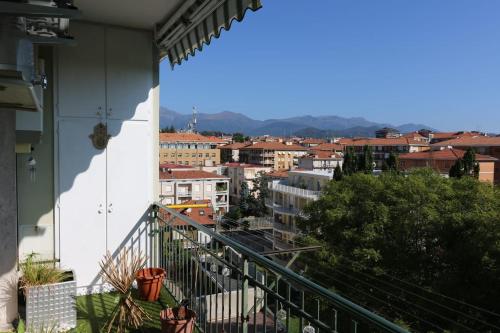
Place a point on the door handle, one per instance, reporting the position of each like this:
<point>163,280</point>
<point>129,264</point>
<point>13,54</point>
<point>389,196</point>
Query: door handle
<point>99,210</point>
<point>110,208</point>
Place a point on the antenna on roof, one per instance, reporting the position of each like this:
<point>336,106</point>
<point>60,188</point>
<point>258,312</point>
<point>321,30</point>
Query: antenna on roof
<point>191,127</point>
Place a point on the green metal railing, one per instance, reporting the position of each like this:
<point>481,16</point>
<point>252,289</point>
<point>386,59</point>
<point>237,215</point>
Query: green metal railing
<point>234,289</point>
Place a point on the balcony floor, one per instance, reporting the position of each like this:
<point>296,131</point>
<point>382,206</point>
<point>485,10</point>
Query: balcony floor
<point>93,311</point>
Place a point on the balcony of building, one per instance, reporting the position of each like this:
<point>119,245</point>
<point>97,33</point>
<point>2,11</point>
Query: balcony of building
<point>221,187</point>
<point>233,288</point>
<point>283,187</point>
<point>184,190</point>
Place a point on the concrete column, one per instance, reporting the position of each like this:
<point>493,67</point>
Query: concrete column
<point>8,220</point>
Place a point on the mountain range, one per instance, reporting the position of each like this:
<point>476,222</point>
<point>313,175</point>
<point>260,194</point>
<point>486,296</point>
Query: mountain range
<point>305,126</point>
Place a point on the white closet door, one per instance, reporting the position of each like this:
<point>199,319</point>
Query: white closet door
<point>81,73</point>
<point>129,184</point>
<point>129,74</point>
<point>82,201</point>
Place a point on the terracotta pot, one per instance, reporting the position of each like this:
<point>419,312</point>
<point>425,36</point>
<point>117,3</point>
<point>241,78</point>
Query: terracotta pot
<point>169,323</point>
<point>149,282</point>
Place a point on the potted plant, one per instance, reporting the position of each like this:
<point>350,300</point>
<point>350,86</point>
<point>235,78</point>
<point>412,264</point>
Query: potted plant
<point>177,320</point>
<point>149,283</point>
<point>49,293</point>
<point>120,274</point>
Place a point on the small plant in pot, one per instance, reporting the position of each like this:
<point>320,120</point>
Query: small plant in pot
<point>42,283</point>
<point>149,283</point>
<point>177,320</point>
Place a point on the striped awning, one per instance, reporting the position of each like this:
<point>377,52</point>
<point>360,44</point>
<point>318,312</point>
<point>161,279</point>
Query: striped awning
<point>195,23</point>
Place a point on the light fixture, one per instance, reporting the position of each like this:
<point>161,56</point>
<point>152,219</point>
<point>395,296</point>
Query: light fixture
<point>17,94</point>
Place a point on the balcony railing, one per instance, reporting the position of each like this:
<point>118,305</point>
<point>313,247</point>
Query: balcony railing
<point>234,289</point>
<point>275,186</point>
<point>280,209</point>
<point>284,227</point>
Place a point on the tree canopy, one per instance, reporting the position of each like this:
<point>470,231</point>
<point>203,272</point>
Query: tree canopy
<point>437,235</point>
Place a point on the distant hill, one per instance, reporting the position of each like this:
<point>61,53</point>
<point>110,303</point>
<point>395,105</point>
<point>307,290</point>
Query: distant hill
<point>307,126</point>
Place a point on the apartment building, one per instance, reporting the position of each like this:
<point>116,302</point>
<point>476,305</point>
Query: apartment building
<point>242,172</point>
<point>289,196</point>
<point>382,147</point>
<point>189,149</point>
<point>276,155</point>
<point>387,133</point>
<point>231,152</point>
<point>435,137</point>
<point>321,160</point>
<point>311,142</point>
<point>181,186</point>
<point>484,145</point>
<point>443,160</point>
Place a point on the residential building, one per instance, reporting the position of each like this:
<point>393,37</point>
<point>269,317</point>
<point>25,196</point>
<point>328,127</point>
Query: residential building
<point>242,172</point>
<point>276,155</point>
<point>181,186</point>
<point>321,160</point>
<point>383,147</point>
<point>289,196</point>
<point>312,142</point>
<point>484,145</point>
<point>436,137</point>
<point>189,149</point>
<point>387,133</point>
<point>333,147</point>
<point>417,136</point>
<point>231,152</point>
<point>443,160</point>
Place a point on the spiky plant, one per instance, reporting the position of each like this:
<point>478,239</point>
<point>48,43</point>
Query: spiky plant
<point>38,273</point>
<point>120,274</point>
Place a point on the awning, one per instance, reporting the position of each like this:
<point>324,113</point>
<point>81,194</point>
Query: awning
<point>195,23</point>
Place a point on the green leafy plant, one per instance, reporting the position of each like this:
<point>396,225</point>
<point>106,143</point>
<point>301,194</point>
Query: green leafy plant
<point>38,273</point>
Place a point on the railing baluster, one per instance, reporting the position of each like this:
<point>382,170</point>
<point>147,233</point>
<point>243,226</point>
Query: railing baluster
<point>216,263</point>
<point>255,299</point>
<point>302,306</point>
<point>265,303</point>
<point>244,297</point>
<point>230,288</point>
<point>288,292</point>
<point>317,310</point>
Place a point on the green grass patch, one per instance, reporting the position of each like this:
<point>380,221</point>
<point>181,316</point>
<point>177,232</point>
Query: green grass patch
<point>94,310</point>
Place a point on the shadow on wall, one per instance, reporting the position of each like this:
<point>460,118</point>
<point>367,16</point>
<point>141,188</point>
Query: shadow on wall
<point>103,195</point>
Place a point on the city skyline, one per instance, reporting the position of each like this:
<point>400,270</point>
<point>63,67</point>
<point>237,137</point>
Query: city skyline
<point>445,69</point>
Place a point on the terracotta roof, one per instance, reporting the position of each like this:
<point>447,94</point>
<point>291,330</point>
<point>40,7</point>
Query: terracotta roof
<point>414,135</point>
<point>329,146</point>
<point>470,141</point>
<point>278,174</point>
<point>188,137</point>
<point>313,141</point>
<point>235,145</point>
<point>190,174</point>
<point>174,166</point>
<point>275,146</point>
<point>401,141</point>
<point>323,154</point>
<point>444,154</point>
<point>201,215</point>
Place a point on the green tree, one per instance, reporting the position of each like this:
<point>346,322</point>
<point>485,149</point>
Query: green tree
<point>392,162</point>
<point>238,137</point>
<point>168,129</point>
<point>350,164</point>
<point>365,160</point>
<point>337,173</point>
<point>457,169</point>
<point>471,167</point>
<point>260,191</point>
<point>433,232</point>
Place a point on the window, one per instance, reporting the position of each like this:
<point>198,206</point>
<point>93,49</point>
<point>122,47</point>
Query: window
<point>196,187</point>
<point>168,188</point>
<point>179,155</point>
<point>209,188</point>
<point>186,162</point>
<point>213,154</point>
<point>165,155</point>
<point>200,155</point>
<point>193,155</point>
<point>172,155</point>
<point>207,155</point>
<point>186,154</point>
<point>202,212</point>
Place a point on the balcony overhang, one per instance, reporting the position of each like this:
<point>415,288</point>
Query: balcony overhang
<point>180,26</point>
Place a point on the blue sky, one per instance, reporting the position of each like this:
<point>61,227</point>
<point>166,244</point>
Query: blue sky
<point>435,62</point>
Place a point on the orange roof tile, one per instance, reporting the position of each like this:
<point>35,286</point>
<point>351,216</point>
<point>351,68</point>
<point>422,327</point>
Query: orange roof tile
<point>329,146</point>
<point>323,154</point>
<point>470,141</point>
<point>190,174</point>
<point>444,154</point>
<point>278,174</point>
<point>200,215</point>
<point>401,141</point>
<point>235,145</point>
<point>313,141</point>
<point>275,146</point>
<point>188,137</point>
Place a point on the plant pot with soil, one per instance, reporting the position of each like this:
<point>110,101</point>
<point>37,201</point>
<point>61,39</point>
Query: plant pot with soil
<point>149,283</point>
<point>177,320</point>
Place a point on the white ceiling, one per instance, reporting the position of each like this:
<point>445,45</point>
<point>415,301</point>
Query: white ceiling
<point>127,13</point>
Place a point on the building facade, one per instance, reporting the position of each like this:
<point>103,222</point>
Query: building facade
<point>276,155</point>
<point>289,196</point>
<point>189,149</point>
<point>443,160</point>
<point>321,160</point>
<point>239,173</point>
<point>231,153</point>
<point>484,145</point>
<point>181,186</point>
